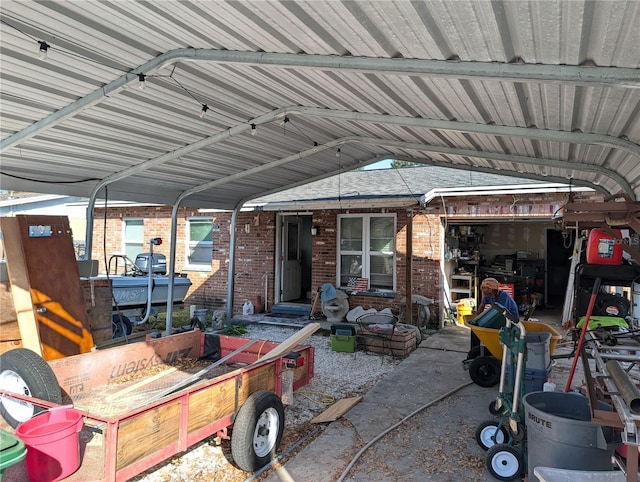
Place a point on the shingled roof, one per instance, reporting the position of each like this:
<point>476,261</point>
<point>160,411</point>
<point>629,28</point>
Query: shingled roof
<point>406,184</point>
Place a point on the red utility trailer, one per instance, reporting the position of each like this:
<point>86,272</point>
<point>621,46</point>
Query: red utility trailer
<point>133,422</point>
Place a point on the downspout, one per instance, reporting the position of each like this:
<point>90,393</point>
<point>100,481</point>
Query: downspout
<point>232,261</point>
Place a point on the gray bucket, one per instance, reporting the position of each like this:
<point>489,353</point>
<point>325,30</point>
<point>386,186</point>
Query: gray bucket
<point>201,314</point>
<point>560,433</point>
<point>538,356</point>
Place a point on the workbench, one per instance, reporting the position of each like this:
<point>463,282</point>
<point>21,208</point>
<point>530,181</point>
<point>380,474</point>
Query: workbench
<point>610,373</point>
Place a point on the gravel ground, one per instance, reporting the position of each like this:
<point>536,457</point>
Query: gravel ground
<point>337,375</point>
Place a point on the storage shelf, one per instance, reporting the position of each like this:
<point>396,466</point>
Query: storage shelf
<point>462,286</point>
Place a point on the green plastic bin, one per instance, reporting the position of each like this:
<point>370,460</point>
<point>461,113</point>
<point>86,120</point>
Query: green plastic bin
<point>343,338</point>
<point>12,450</point>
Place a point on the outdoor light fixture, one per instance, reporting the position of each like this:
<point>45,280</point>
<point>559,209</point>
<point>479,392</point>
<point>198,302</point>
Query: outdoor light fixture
<point>141,84</point>
<point>315,147</point>
<point>314,230</point>
<point>204,110</point>
<point>44,48</point>
<point>338,152</point>
<point>284,121</point>
<point>254,129</point>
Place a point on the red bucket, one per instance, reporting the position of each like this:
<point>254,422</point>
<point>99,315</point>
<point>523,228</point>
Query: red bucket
<point>53,447</point>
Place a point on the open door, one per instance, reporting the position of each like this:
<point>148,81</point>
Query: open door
<point>291,259</point>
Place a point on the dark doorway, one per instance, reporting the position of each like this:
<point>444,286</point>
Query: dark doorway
<point>559,252</point>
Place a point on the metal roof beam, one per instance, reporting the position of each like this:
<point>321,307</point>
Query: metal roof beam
<point>507,131</point>
<point>535,161</point>
<point>564,74</point>
<point>549,135</point>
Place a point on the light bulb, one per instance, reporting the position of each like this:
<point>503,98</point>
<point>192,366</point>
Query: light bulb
<point>315,147</point>
<point>338,152</point>
<point>44,47</point>
<point>254,129</point>
<point>284,121</point>
<point>141,83</point>
<point>204,110</point>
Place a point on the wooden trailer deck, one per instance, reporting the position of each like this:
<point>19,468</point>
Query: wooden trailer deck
<point>127,430</point>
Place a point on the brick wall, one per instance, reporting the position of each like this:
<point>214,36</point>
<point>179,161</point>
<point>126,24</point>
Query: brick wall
<point>254,250</point>
<point>425,279</point>
<point>256,244</point>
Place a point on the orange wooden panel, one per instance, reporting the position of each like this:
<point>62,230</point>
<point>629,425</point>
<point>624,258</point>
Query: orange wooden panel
<point>41,262</point>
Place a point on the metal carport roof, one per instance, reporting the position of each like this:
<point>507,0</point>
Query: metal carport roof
<point>543,90</point>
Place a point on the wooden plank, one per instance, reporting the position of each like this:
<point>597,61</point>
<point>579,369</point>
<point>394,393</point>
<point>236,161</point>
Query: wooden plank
<point>20,286</point>
<point>45,285</point>
<point>141,383</point>
<point>337,410</point>
<point>290,343</point>
<point>141,436</point>
<point>97,297</point>
<point>82,372</point>
<point>197,376</point>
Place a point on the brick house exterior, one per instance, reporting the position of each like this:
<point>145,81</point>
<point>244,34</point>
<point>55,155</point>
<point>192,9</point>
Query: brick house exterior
<point>256,251</point>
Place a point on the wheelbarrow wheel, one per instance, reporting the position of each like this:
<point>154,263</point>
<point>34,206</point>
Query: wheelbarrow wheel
<point>490,433</point>
<point>257,431</point>
<point>485,371</point>
<point>26,373</point>
<point>505,462</point>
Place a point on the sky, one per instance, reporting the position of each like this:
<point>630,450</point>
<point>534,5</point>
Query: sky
<point>379,165</point>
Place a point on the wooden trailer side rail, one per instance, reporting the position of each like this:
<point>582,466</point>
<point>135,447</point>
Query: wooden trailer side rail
<point>117,448</point>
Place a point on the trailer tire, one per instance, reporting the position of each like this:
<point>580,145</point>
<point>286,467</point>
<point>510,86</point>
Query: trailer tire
<point>485,371</point>
<point>257,431</point>
<point>25,372</point>
<point>119,329</point>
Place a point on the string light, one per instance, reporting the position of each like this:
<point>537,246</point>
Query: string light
<point>141,83</point>
<point>254,129</point>
<point>284,121</point>
<point>204,110</point>
<point>44,48</point>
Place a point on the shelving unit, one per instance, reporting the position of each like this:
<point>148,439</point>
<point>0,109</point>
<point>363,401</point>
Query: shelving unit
<point>462,286</point>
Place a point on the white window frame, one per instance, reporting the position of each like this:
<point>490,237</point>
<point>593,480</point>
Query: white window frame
<point>365,252</point>
<point>195,266</point>
<point>126,242</point>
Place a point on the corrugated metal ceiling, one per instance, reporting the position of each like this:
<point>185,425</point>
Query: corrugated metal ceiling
<point>547,90</point>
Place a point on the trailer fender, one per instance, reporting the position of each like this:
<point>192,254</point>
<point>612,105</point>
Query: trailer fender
<point>257,431</point>
<point>27,373</point>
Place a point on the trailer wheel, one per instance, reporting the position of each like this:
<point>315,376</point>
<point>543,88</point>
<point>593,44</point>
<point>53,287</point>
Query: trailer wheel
<point>25,372</point>
<point>490,433</point>
<point>505,462</point>
<point>257,431</point>
<point>119,329</point>
<point>485,371</point>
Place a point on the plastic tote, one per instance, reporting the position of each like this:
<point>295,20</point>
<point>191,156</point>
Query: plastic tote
<point>560,433</point>
<point>12,450</point>
<point>53,447</point>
